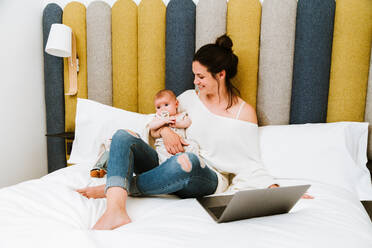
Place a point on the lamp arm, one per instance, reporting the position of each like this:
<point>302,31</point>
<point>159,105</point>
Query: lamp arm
<point>72,68</point>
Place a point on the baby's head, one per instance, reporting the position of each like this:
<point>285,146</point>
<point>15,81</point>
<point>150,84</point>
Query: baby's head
<point>166,101</point>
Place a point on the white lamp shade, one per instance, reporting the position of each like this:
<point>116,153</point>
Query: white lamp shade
<point>59,40</point>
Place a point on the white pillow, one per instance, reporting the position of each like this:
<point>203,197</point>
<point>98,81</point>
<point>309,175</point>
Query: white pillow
<point>331,153</point>
<point>95,123</point>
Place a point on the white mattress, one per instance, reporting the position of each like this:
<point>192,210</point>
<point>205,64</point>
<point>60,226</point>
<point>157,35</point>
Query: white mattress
<point>47,212</point>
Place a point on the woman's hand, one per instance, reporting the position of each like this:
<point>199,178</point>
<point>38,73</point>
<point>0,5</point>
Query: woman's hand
<point>273,186</point>
<point>304,196</point>
<point>172,141</point>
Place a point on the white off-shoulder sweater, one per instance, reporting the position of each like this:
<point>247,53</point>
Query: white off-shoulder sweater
<point>228,146</point>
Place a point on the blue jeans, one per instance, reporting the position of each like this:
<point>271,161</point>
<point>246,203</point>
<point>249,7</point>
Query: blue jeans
<point>129,153</point>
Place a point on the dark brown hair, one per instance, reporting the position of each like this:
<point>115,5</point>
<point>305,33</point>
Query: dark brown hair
<point>219,56</point>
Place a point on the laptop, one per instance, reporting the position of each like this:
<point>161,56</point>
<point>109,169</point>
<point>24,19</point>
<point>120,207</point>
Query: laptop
<point>252,203</point>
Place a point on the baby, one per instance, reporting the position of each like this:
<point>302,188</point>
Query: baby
<point>166,105</point>
<point>166,115</point>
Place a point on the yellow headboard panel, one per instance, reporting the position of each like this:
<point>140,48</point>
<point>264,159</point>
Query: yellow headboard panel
<point>74,16</point>
<point>124,55</point>
<point>243,26</point>
<point>151,52</point>
<point>350,61</point>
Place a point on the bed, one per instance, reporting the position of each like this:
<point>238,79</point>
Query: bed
<point>47,212</point>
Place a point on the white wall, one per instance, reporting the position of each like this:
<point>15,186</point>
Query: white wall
<point>22,116</point>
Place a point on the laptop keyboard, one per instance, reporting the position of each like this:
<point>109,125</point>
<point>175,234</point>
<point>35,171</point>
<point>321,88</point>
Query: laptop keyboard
<point>217,211</point>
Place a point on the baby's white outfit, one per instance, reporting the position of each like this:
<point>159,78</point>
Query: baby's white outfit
<point>163,154</point>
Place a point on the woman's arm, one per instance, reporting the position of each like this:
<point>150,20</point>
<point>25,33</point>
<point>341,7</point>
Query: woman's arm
<point>249,114</point>
<point>172,141</point>
<point>155,133</point>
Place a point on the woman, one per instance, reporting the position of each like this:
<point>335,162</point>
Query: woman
<point>182,174</point>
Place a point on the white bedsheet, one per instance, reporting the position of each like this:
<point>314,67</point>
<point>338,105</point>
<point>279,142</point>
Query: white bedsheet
<point>47,212</point>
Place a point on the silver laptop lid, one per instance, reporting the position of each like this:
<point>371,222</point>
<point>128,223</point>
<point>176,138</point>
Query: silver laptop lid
<point>262,202</point>
<point>252,203</point>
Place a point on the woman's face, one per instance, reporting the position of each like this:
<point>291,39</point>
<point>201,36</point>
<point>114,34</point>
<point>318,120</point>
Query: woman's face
<point>205,81</point>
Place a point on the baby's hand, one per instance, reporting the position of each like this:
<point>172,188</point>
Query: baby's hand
<point>172,121</point>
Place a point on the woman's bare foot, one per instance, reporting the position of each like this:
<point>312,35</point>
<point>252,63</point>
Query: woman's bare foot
<point>93,192</point>
<point>116,213</point>
<point>112,219</point>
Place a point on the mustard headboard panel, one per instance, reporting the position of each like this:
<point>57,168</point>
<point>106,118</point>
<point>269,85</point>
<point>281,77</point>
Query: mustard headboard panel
<point>74,16</point>
<point>350,60</point>
<point>151,52</point>
<point>138,50</point>
<point>243,26</point>
<point>124,55</point>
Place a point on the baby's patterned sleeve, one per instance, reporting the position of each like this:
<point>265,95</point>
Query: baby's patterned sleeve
<point>183,116</point>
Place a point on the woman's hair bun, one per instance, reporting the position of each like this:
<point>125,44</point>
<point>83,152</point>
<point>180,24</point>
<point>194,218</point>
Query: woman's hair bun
<point>224,41</point>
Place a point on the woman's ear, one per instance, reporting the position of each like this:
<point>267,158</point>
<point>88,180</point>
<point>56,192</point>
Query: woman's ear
<point>221,74</point>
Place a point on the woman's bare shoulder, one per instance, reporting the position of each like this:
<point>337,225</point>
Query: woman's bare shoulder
<point>248,113</point>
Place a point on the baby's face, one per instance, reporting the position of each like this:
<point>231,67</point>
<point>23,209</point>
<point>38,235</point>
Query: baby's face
<point>166,103</point>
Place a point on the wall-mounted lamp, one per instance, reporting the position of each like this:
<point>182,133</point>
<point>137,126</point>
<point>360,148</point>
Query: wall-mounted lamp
<point>62,43</point>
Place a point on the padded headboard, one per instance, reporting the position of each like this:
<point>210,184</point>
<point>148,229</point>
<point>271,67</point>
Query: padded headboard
<point>299,62</point>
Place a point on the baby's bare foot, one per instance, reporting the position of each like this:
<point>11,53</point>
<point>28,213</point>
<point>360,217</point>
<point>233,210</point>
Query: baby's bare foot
<point>93,192</point>
<point>111,220</point>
